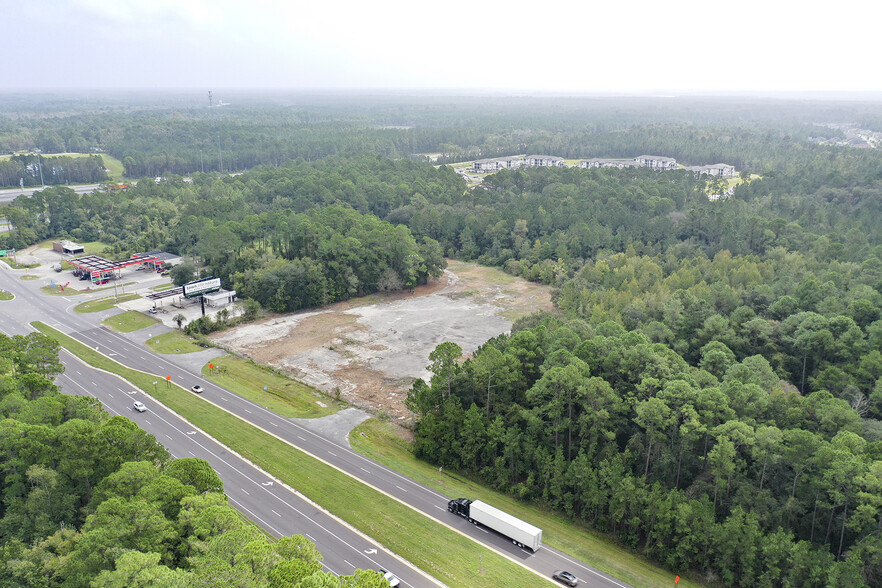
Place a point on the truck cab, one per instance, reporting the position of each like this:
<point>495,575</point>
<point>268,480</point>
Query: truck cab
<point>459,506</point>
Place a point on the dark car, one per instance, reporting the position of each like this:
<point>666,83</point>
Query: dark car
<point>197,389</point>
<point>565,578</point>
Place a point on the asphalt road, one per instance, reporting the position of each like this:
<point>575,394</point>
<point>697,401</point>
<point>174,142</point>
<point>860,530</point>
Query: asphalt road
<point>30,305</point>
<point>274,506</point>
<point>12,194</point>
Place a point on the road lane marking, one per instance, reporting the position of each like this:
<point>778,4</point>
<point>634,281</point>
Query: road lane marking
<point>275,513</point>
<point>400,488</point>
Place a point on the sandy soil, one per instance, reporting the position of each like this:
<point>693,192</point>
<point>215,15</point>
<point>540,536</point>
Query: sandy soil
<point>373,348</point>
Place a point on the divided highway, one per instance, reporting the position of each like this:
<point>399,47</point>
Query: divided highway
<point>30,306</point>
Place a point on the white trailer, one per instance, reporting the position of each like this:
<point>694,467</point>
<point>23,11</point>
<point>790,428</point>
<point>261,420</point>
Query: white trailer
<point>521,533</point>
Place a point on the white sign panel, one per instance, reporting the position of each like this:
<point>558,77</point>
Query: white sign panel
<point>202,286</point>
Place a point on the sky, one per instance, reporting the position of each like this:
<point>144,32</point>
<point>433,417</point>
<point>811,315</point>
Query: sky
<point>578,47</point>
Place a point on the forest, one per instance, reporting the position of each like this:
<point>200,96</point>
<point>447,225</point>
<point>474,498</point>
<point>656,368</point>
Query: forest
<point>707,392</point>
<point>90,499</point>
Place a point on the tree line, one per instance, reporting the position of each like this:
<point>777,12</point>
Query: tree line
<point>35,170</point>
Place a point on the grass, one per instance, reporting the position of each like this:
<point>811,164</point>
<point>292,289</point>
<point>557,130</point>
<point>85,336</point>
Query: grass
<point>4,295</point>
<point>284,396</point>
<point>450,557</point>
<point>380,442</point>
<point>104,303</point>
<point>163,287</point>
<point>15,265</point>
<point>131,320</point>
<point>29,277</point>
<point>57,291</point>
<point>172,342</point>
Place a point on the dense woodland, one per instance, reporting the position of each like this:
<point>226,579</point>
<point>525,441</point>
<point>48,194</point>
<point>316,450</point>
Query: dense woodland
<point>90,499</point>
<point>707,392</point>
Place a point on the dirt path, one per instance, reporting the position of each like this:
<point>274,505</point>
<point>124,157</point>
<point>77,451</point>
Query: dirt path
<point>373,348</point>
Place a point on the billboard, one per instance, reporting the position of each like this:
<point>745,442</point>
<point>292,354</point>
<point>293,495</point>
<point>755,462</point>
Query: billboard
<point>201,287</point>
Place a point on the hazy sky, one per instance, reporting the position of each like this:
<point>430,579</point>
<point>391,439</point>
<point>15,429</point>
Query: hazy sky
<point>539,46</point>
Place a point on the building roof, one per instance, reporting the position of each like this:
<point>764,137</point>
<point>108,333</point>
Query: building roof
<point>159,255</point>
<point>95,264</point>
<point>655,157</point>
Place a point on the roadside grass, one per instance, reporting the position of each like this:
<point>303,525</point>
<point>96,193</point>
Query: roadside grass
<point>131,320</point>
<point>29,277</point>
<point>104,303</point>
<point>4,295</point>
<point>71,291</point>
<point>448,556</point>
<point>57,291</point>
<point>283,395</point>
<point>116,167</point>
<point>15,265</point>
<point>381,442</point>
<point>173,342</point>
<point>163,287</point>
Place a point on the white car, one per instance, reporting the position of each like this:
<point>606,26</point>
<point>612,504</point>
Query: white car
<point>139,406</point>
<point>391,578</point>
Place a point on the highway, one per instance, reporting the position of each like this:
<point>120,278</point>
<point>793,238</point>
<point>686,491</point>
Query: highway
<point>30,305</point>
<point>12,194</point>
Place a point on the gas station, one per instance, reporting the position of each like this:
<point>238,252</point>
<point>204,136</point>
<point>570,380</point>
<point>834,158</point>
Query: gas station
<point>100,270</point>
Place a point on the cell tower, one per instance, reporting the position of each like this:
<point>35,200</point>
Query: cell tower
<point>209,99</point>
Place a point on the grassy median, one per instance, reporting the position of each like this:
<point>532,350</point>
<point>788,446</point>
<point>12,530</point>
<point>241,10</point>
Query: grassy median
<point>445,554</point>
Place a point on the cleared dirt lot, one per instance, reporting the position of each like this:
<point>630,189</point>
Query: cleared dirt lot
<point>373,348</point>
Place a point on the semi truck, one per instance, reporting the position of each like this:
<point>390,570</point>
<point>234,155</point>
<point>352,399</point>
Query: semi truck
<point>519,532</point>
